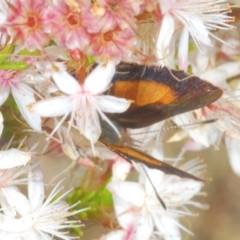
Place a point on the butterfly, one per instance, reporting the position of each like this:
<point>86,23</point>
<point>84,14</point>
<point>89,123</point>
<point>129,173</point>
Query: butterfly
<point>158,93</point>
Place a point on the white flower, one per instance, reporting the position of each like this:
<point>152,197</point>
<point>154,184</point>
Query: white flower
<point>11,161</point>
<point>11,82</point>
<point>199,18</point>
<point>137,206</point>
<point>233,151</point>
<point>3,12</point>
<point>13,158</point>
<point>225,111</point>
<point>4,37</point>
<point>9,179</point>
<point>230,51</point>
<point>84,103</point>
<point>122,234</point>
<point>37,218</point>
<point>206,135</point>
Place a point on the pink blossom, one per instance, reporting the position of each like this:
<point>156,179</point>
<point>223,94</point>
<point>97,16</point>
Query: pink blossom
<point>25,23</point>
<point>12,82</point>
<point>114,45</point>
<point>194,18</point>
<point>117,13</point>
<point>69,27</point>
<point>4,36</point>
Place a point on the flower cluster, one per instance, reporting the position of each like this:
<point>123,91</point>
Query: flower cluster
<point>58,61</point>
<point>31,217</point>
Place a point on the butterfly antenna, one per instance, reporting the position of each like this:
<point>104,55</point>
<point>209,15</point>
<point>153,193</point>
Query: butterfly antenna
<point>155,190</point>
<point>177,127</point>
<point>188,125</point>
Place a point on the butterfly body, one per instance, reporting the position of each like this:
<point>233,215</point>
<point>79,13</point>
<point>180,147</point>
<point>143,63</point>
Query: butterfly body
<point>157,94</point>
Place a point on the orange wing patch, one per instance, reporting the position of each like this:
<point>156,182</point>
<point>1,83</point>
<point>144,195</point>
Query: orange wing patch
<point>153,92</point>
<point>144,92</point>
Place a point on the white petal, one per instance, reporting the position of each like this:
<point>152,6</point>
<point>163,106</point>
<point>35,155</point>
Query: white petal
<point>127,196</point>
<point>9,224</point>
<point>183,49</point>
<point>125,213</point>
<point>182,190</point>
<point>178,136</point>
<point>232,68</point>
<point>202,59</point>
<point>164,38</point>
<point>4,93</point>
<point>199,31</point>
<point>5,205</point>
<point>168,227</point>
<point>89,126</point>
<point>3,14</point>
<point>66,83</point>
<point>157,150</point>
<point>52,107</point>
<point>112,104</point>
<point>104,153</point>
<point>31,233</point>
<point>228,49</point>
<point>13,158</point>
<point>130,192</point>
<point>23,96</point>
<point>144,226</point>
<point>70,150</point>
<point>191,145</point>
<point>167,6</point>
<point>35,188</point>
<point>155,175</point>
<point>116,235</point>
<point>121,169</point>
<point>99,79</point>
<point>233,150</point>
<point>22,226</point>
<point>18,201</point>
<point>217,77</point>
<point>205,136</point>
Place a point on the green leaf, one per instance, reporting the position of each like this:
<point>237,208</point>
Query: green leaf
<point>90,59</point>
<point>13,122</point>
<point>6,52</point>
<point>26,52</point>
<point>18,66</point>
<point>78,231</point>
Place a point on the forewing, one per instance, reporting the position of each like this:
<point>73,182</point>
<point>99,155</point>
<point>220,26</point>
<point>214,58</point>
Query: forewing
<point>158,93</point>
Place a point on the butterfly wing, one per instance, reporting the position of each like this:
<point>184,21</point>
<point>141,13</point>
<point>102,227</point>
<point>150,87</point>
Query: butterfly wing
<point>158,93</point>
<point>132,154</point>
